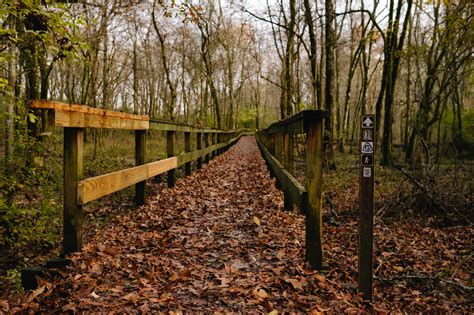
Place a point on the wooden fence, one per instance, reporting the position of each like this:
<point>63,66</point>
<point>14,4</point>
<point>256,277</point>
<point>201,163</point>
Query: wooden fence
<point>276,145</point>
<point>79,191</point>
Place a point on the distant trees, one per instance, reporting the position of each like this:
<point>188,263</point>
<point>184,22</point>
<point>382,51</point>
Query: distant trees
<point>213,64</point>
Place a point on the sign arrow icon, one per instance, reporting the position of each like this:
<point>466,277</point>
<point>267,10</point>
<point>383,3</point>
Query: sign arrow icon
<point>368,122</point>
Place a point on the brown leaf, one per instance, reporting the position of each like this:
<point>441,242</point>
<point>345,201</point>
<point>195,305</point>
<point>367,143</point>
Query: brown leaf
<point>68,307</point>
<point>259,293</point>
<point>35,294</point>
<point>295,283</point>
<point>4,305</point>
<point>399,268</point>
<point>132,297</point>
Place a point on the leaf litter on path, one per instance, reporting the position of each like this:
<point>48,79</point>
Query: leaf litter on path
<point>217,241</point>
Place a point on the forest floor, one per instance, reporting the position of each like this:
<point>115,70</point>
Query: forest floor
<point>220,240</point>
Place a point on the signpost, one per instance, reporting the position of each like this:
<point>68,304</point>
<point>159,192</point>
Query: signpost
<point>366,204</point>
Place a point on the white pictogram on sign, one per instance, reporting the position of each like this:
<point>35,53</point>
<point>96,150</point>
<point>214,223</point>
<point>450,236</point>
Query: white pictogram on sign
<point>367,122</point>
<point>367,172</point>
<point>367,135</point>
<point>367,147</point>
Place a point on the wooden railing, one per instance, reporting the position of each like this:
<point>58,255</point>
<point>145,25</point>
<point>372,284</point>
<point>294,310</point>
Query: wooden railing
<point>79,191</point>
<point>276,145</point>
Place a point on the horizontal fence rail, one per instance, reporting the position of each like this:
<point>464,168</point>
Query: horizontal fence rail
<point>79,191</point>
<point>276,144</point>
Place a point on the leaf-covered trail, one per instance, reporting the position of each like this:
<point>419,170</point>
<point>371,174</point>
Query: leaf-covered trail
<point>221,241</point>
<point>218,240</point>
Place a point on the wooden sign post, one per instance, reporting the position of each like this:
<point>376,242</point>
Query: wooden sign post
<point>366,204</point>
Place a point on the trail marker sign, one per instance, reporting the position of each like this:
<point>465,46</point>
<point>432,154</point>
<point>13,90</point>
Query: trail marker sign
<point>366,204</point>
<point>368,121</point>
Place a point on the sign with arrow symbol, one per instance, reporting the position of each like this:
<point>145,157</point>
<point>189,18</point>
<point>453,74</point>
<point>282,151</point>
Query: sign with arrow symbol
<point>367,121</point>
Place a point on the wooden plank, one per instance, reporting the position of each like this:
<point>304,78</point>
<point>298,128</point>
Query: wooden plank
<point>198,147</point>
<point>93,188</point>
<point>170,153</point>
<point>314,173</point>
<point>73,171</point>
<point>66,118</point>
<point>164,125</point>
<point>140,151</point>
<point>289,156</point>
<point>162,166</point>
<point>52,105</point>
<point>206,145</point>
<point>289,184</point>
<point>187,149</point>
<point>194,155</point>
<point>298,123</point>
<point>96,187</point>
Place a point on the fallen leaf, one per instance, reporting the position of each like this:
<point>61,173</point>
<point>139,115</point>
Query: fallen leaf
<point>132,297</point>
<point>256,220</point>
<point>68,307</point>
<point>260,293</point>
<point>35,294</point>
<point>399,268</point>
<point>295,283</point>
<point>4,305</point>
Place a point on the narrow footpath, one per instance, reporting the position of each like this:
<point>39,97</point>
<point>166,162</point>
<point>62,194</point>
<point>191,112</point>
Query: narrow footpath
<point>218,241</point>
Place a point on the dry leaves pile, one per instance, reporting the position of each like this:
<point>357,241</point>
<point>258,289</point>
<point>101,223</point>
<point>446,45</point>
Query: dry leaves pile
<point>221,241</point>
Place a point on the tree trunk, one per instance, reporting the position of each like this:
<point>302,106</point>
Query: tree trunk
<point>329,84</point>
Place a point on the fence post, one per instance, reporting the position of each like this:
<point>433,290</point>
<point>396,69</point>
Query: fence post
<point>140,149</point>
<point>170,153</point>
<point>206,145</point>
<point>278,151</point>
<point>198,147</point>
<point>314,174</point>
<point>289,159</point>
<point>187,148</point>
<point>72,171</point>
<point>214,141</point>
<point>288,164</point>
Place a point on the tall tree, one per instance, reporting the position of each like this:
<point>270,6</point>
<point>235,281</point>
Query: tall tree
<point>330,45</point>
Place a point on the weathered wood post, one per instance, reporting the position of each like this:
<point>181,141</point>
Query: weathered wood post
<point>140,149</point>
<point>73,172</point>
<point>198,147</point>
<point>214,141</point>
<point>288,147</point>
<point>278,151</point>
<point>220,139</point>
<point>187,148</point>
<point>206,145</point>
<point>288,164</point>
<point>170,153</point>
<point>314,177</point>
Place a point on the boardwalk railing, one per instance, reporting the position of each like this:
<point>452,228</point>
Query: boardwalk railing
<point>276,145</point>
<point>79,191</point>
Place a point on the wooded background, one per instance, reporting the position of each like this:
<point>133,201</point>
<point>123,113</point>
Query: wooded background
<point>236,64</point>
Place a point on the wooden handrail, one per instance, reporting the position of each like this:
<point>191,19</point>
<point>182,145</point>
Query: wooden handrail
<point>79,191</point>
<point>276,144</point>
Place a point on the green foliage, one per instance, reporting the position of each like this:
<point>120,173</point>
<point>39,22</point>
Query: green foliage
<point>246,118</point>
<point>468,129</point>
<point>27,214</point>
<point>12,280</point>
